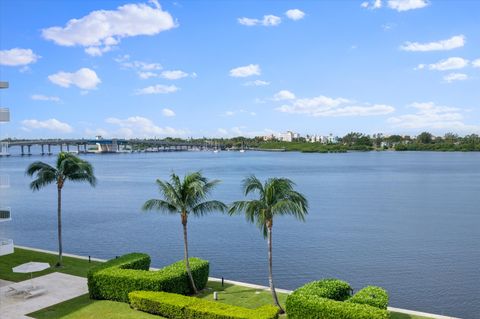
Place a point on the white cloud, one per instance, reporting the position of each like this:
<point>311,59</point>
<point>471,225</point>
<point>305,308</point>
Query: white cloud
<point>323,106</point>
<point>257,83</point>
<point>295,14</point>
<point>476,63</point>
<point>248,21</point>
<point>168,112</point>
<point>41,97</point>
<point>50,124</point>
<point>236,112</point>
<point>283,95</point>
<point>452,77</point>
<point>17,56</point>
<point>244,71</point>
<point>146,70</point>
<point>428,115</point>
<point>157,89</point>
<point>173,75</point>
<point>405,5</point>
<point>374,4</point>
<point>271,20</point>
<point>442,45</point>
<point>399,5</point>
<point>84,78</point>
<point>125,62</point>
<point>138,126</point>
<point>388,26</point>
<point>452,63</point>
<point>268,20</point>
<point>100,30</point>
<point>147,75</point>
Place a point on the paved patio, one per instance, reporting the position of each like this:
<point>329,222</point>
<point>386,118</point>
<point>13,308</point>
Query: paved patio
<point>60,287</point>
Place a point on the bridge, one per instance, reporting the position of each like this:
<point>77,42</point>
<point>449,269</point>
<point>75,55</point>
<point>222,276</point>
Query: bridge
<point>103,146</point>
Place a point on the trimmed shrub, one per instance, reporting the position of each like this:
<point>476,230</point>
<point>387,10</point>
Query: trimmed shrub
<point>329,299</point>
<point>174,306</point>
<point>116,278</point>
<point>137,261</point>
<point>328,288</point>
<point>372,296</point>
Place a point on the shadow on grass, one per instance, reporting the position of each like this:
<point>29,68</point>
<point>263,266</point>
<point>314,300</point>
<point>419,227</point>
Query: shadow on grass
<point>63,308</point>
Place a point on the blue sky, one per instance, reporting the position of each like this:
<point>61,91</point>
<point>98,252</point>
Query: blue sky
<point>218,68</point>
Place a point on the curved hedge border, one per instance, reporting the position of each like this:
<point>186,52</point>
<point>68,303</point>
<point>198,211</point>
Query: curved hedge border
<point>175,306</point>
<point>330,299</point>
<point>114,279</point>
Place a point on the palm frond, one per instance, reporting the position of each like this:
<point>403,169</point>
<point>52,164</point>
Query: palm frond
<point>208,207</point>
<point>82,177</point>
<point>44,175</point>
<point>169,192</point>
<point>38,166</point>
<point>42,180</point>
<point>251,184</point>
<point>161,206</point>
<point>276,197</point>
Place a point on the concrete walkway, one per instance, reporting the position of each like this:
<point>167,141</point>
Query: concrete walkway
<point>60,287</point>
<point>5,283</point>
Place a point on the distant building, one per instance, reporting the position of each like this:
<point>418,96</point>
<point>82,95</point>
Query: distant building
<point>317,139</point>
<point>332,139</point>
<point>289,136</point>
<point>268,137</point>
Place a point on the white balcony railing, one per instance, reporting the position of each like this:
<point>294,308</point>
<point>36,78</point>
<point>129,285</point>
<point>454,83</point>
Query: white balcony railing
<point>6,246</point>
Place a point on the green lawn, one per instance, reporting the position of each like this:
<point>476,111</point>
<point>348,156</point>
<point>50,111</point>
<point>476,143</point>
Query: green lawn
<point>72,266</point>
<point>84,308</point>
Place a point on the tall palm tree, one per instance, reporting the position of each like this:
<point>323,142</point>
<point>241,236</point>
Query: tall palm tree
<point>185,197</point>
<point>68,167</point>
<point>276,197</point>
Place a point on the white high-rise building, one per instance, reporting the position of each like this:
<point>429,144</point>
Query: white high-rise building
<point>6,245</point>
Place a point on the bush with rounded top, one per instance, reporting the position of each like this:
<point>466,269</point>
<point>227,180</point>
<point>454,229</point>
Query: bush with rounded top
<point>372,296</point>
<point>330,299</point>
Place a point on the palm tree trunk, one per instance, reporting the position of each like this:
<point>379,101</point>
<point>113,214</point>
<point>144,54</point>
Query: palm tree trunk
<point>270,271</point>
<point>59,220</point>
<point>187,262</point>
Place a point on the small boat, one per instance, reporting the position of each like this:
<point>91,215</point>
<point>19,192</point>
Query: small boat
<point>242,150</point>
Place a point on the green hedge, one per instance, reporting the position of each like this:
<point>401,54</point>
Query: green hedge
<point>114,279</point>
<point>371,295</point>
<point>174,306</point>
<point>328,288</point>
<point>330,299</point>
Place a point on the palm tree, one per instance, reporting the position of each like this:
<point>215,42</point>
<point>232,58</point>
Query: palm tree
<point>186,197</point>
<point>276,198</point>
<point>68,167</point>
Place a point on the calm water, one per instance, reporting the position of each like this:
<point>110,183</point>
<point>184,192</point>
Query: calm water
<point>409,222</point>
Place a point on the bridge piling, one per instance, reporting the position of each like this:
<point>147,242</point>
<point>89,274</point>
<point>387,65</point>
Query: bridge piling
<point>29,152</point>
<point>49,150</point>
<point>43,153</point>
